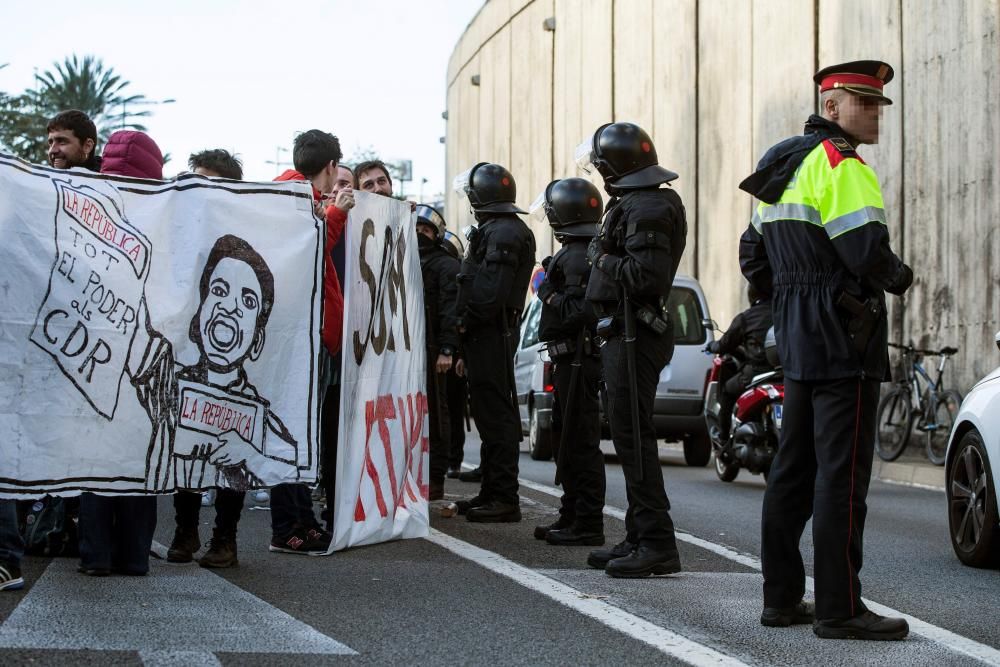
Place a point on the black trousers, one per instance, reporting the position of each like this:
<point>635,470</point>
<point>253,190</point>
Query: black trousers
<point>822,469</point>
<point>458,395</point>
<point>647,520</point>
<point>439,420</point>
<point>582,463</point>
<point>490,363</point>
<point>116,532</point>
<point>329,436</point>
<point>228,507</point>
<point>291,504</point>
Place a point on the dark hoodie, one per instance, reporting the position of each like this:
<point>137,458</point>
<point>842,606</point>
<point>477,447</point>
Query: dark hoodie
<point>779,163</point>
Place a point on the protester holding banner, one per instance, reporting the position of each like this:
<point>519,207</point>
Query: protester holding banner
<point>315,156</point>
<point>492,289</point>
<point>221,553</point>
<point>439,270</point>
<point>116,532</point>
<point>72,140</point>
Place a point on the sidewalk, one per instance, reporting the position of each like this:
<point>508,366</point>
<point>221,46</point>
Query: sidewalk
<point>910,469</point>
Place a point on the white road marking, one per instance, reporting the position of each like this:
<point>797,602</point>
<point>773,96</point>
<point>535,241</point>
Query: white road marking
<point>178,659</point>
<point>669,643</point>
<point>180,614</point>
<point>946,638</point>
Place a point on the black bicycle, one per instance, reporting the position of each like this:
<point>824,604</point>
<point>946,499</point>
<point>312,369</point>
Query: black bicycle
<point>916,400</point>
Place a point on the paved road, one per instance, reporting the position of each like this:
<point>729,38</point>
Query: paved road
<point>477,594</point>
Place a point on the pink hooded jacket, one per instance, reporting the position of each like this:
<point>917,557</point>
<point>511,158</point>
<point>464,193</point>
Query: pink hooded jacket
<point>131,153</point>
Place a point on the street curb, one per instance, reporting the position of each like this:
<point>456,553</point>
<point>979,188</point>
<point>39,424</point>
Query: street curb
<point>919,475</point>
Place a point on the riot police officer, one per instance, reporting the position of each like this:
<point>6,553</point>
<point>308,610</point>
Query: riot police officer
<point>573,207</point>
<point>493,284</point>
<point>818,242</point>
<point>634,259</point>
<point>439,269</point>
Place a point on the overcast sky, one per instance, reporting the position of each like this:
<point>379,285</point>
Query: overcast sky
<point>248,75</point>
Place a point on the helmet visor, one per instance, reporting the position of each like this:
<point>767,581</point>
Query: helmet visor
<point>537,210</point>
<point>584,155</point>
<point>462,181</point>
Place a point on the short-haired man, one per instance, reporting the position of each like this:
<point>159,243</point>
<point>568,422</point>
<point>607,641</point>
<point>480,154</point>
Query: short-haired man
<point>72,140</point>
<point>216,163</point>
<point>373,176</point>
<point>315,155</point>
<point>819,244</point>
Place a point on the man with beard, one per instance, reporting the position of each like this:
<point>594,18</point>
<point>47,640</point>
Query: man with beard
<point>438,269</point>
<point>72,140</point>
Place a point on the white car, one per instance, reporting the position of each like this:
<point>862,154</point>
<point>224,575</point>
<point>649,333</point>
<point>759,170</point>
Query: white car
<point>973,450</point>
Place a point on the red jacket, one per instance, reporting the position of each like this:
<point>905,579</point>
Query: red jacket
<point>333,297</point>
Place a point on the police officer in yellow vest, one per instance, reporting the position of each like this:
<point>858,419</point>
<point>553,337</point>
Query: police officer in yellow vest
<point>818,242</point>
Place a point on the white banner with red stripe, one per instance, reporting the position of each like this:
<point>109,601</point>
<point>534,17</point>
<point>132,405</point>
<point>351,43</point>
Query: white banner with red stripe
<point>382,448</point>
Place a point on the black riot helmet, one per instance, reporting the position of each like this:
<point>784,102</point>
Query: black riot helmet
<point>573,207</point>
<point>625,156</point>
<point>428,215</point>
<point>452,243</point>
<point>489,187</point>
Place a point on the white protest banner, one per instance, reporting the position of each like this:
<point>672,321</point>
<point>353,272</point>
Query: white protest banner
<point>382,449</point>
<point>156,335</point>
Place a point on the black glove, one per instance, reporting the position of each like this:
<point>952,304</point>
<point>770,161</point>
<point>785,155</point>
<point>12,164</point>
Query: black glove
<point>902,282</point>
<point>545,263</point>
<point>545,290</point>
<point>713,347</point>
<point>594,250</point>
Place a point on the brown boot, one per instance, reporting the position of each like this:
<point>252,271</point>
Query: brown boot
<point>221,552</point>
<point>185,544</point>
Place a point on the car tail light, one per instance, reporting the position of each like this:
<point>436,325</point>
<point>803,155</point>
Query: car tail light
<point>709,374</point>
<point>547,384</point>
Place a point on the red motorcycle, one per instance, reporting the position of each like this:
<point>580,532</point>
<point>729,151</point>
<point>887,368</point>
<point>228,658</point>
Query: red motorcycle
<point>756,419</point>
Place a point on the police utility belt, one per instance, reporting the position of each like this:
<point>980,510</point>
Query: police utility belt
<point>614,325</point>
<point>567,346</point>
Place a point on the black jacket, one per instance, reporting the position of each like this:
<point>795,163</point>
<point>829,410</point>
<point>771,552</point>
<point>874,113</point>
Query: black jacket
<point>568,311</point>
<point>644,234</point>
<point>440,273</point>
<point>748,330</point>
<point>496,271</point>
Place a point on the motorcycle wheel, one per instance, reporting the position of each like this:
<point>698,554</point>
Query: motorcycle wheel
<point>727,472</point>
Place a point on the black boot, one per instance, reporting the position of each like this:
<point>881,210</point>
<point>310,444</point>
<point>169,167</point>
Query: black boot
<point>475,475</point>
<point>866,625</point>
<point>644,562</point>
<point>782,617</point>
<point>221,551</point>
<point>494,512</point>
<point>435,490</point>
<point>541,532</point>
<point>465,505</point>
<point>599,558</point>
<point>575,536</point>
<point>184,546</point>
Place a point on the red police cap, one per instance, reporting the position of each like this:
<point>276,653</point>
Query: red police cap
<point>861,77</point>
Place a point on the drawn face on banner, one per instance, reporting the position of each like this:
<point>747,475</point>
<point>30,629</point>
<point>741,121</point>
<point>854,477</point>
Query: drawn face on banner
<point>237,292</point>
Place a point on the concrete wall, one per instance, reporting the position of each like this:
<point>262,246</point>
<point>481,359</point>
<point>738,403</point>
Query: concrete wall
<point>716,82</point>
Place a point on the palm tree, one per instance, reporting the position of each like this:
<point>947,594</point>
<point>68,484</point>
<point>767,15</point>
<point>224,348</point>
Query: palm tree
<point>85,84</point>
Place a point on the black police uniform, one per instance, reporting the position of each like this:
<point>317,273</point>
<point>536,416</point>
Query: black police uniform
<point>827,275</point>
<point>642,239</point>
<point>745,336</point>
<point>439,270</point>
<point>567,324</point>
<point>492,287</point>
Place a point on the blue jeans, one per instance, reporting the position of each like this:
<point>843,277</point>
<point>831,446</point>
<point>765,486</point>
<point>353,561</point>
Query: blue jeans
<point>11,543</point>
